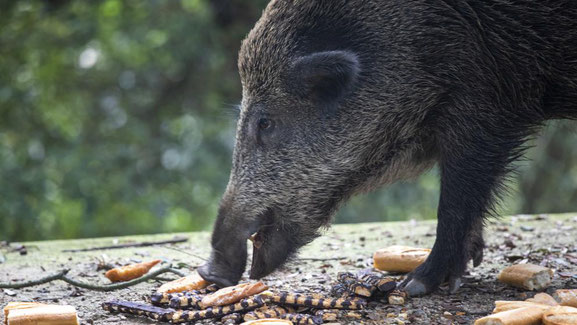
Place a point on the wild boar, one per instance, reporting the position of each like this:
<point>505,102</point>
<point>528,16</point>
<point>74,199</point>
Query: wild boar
<point>342,96</point>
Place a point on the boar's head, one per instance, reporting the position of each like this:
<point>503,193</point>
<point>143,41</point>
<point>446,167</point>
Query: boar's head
<point>312,131</point>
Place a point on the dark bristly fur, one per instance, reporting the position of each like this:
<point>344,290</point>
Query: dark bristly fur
<point>340,97</point>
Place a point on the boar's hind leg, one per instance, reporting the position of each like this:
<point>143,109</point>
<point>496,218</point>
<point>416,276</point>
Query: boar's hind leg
<point>471,171</point>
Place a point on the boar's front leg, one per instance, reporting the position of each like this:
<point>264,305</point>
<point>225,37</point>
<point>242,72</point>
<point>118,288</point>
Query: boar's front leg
<point>472,165</point>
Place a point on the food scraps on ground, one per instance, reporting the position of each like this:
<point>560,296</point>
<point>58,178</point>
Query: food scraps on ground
<point>543,298</point>
<point>399,258</point>
<point>130,272</point>
<point>230,295</point>
<point>560,315</point>
<point>527,276</point>
<point>541,309</point>
<point>18,313</point>
<point>519,316</point>
<point>251,301</point>
<point>19,305</point>
<point>566,297</point>
<point>191,282</point>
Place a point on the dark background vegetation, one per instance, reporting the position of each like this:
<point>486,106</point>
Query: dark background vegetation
<point>115,118</point>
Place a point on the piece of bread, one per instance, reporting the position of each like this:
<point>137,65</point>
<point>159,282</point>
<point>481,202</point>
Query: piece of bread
<point>519,316</point>
<point>399,258</point>
<point>190,282</point>
<point>19,305</point>
<point>566,297</point>
<point>43,315</point>
<point>231,295</point>
<point>130,272</point>
<point>503,305</point>
<point>560,315</point>
<point>527,276</point>
<point>268,321</point>
<point>543,298</point>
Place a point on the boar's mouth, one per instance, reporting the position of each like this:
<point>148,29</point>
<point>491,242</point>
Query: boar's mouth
<point>272,246</point>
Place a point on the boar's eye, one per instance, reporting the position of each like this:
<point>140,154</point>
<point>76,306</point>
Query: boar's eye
<point>265,124</point>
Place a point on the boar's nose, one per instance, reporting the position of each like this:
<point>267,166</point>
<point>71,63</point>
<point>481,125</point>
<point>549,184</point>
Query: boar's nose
<point>228,257</point>
<point>221,271</point>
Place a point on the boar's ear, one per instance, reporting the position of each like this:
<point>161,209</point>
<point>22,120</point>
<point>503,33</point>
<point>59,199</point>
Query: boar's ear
<point>325,77</point>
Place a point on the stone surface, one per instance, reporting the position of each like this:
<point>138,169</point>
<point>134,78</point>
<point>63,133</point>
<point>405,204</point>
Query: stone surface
<point>551,242</point>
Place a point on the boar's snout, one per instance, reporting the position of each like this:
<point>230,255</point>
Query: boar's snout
<point>223,274</point>
<point>228,258</point>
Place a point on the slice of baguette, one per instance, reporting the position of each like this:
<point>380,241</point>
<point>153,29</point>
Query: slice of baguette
<point>19,305</point>
<point>560,315</point>
<point>519,316</point>
<point>399,258</point>
<point>503,305</point>
<point>190,282</point>
<point>43,315</point>
<point>543,298</point>
<point>527,276</point>
<point>566,297</point>
<point>231,295</point>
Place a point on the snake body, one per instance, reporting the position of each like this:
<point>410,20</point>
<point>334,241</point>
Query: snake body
<point>365,285</point>
<point>156,313</point>
<point>186,301</point>
<point>383,284</point>
<point>181,316</point>
<point>301,319</point>
<point>266,312</point>
<point>291,299</point>
<point>353,285</point>
<point>232,318</point>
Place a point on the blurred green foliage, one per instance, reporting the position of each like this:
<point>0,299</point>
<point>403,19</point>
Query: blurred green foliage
<point>116,118</point>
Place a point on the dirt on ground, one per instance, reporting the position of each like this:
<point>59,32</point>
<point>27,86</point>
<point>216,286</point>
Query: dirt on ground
<point>548,240</point>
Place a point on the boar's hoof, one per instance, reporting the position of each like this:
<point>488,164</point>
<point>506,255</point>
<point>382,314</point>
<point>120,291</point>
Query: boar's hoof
<point>414,288</point>
<point>211,276</point>
<point>454,284</point>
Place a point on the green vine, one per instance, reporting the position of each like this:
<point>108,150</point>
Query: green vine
<point>62,275</point>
